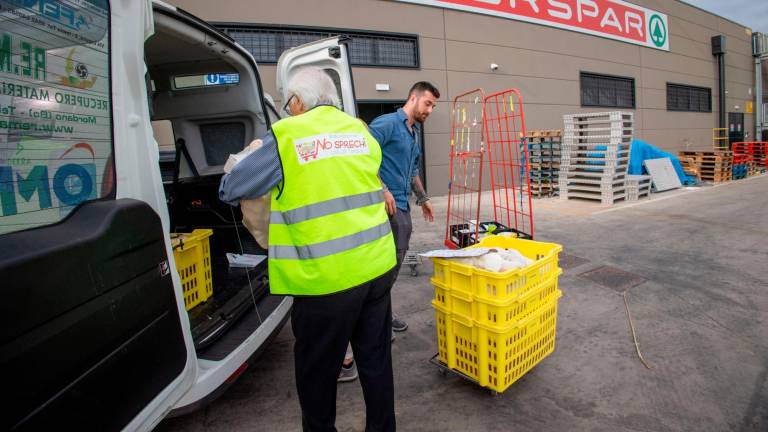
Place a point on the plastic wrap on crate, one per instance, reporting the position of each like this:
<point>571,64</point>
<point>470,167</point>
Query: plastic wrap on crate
<point>512,284</point>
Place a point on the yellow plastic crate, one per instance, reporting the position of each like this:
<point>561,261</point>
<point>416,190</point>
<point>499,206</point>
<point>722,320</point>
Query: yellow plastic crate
<point>496,359</point>
<point>494,313</point>
<point>192,254</point>
<point>501,287</point>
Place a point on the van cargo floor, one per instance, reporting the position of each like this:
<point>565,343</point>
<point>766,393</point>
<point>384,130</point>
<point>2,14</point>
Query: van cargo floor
<point>232,298</point>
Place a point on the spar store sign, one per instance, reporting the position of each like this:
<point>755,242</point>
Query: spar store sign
<point>612,19</point>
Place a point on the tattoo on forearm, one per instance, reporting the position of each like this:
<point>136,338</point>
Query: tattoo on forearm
<point>418,189</point>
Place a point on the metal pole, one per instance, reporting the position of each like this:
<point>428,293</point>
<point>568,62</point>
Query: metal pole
<point>721,65</point>
<point>758,98</point>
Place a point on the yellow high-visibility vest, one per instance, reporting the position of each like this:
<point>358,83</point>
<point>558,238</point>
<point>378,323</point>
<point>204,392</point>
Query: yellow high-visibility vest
<point>328,227</point>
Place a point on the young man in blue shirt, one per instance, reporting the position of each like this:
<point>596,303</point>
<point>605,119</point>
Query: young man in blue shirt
<point>399,135</point>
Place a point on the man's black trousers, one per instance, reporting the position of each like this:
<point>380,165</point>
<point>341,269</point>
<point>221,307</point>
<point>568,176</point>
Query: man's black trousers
<point>322,326</point>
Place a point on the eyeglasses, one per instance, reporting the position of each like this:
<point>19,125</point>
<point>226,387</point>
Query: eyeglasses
<point>288,102</point>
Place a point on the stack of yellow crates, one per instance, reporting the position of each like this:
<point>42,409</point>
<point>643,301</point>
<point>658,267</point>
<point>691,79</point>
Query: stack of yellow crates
<point>494,327</point>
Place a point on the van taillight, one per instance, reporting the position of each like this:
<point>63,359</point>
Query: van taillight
<point>237,372</point>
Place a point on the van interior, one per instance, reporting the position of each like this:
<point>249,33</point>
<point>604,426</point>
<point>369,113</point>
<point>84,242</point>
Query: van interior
<point>198,122</point>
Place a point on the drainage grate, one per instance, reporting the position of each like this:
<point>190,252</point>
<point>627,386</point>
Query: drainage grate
<point>613,278</point>
<point>567,261</point>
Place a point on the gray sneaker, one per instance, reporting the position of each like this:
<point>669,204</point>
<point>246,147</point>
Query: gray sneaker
<point>399,325</point>
<point>348,374</point>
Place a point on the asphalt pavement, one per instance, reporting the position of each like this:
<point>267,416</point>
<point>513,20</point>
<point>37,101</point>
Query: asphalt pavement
<point>694,265</point>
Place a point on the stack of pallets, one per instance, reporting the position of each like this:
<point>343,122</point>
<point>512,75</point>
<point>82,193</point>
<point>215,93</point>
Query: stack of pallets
<point>544,154</point>
<point>741,163</point>
<point>758,155</point>
<point>715,167</point>
<point>638,186</point>
<point>689,166</point>
<point>595,156</point>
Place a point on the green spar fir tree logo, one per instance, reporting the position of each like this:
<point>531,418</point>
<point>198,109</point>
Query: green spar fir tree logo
<point>658,31</point>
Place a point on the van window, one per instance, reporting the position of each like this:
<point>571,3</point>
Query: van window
<point>55,110</point>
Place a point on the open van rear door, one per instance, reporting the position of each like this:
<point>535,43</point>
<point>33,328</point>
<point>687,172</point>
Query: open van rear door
<point>93,334</point>
<point>331,55</point>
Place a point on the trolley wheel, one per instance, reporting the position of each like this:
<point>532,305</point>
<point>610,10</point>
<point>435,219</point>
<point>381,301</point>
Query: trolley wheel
<point>414,271</point>
<point>442,371</point>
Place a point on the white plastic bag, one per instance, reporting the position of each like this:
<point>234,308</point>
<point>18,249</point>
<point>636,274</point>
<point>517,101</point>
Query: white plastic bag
<point>500,260</point>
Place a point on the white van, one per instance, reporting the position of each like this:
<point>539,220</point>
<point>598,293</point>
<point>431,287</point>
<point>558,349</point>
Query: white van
<point>94,333</point>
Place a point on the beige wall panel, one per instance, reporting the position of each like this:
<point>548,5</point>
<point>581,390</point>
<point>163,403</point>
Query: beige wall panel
<point>663,119</point>
<point>533,90</point>
<point>677,140</point>
<point>436,148</point>
<point>675,63</point>
<point>268,75</point>
<point>351,14</point>
<point>474,57</point>
<point>735,31</point>
<point>439,122</point>
<point>738,47</point>
<point>432,53</point>
<point>692,48</point>
<point>462,26</point>
<point>685,29</point>
<point>437,180</point>
<point>745,65</point>
<point>738,94</point>
<point>547,116</point>
<point>654,98</point>
<point>656,79</point>
<point>399,80</point>
<point>743,60</point>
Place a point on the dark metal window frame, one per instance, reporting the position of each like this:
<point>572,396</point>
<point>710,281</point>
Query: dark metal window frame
<point>583,74</point>
<point>324,32</point>
<point>690,88</point>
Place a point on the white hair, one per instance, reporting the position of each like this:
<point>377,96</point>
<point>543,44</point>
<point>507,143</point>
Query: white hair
<point>314,86</point>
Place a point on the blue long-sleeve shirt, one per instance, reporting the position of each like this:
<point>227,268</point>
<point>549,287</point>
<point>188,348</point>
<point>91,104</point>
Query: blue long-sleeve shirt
<point>400,149</point>
<point>255,175</point>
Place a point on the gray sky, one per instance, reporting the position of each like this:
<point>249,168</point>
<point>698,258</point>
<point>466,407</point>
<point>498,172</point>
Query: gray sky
<point>751,13</point>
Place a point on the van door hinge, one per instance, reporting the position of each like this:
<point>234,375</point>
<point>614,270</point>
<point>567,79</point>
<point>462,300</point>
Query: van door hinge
<point>335,52</point>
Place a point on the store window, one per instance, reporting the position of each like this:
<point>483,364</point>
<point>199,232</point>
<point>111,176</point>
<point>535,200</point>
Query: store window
<point>607,91</point>
<point>55,112</point>
<point>266,43</point>
<point>682,97</point>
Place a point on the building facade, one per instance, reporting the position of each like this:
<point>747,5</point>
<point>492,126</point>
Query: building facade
<point>673,93</point>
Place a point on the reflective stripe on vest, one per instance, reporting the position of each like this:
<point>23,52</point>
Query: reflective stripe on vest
<point>329,229</point>
<point>330,247</point>
<point>324,208</point>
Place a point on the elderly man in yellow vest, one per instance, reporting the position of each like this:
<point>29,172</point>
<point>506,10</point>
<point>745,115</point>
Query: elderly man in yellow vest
<point>330,246</point>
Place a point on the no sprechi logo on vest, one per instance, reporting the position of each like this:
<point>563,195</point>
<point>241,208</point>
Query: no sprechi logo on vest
<point>324,146</point>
